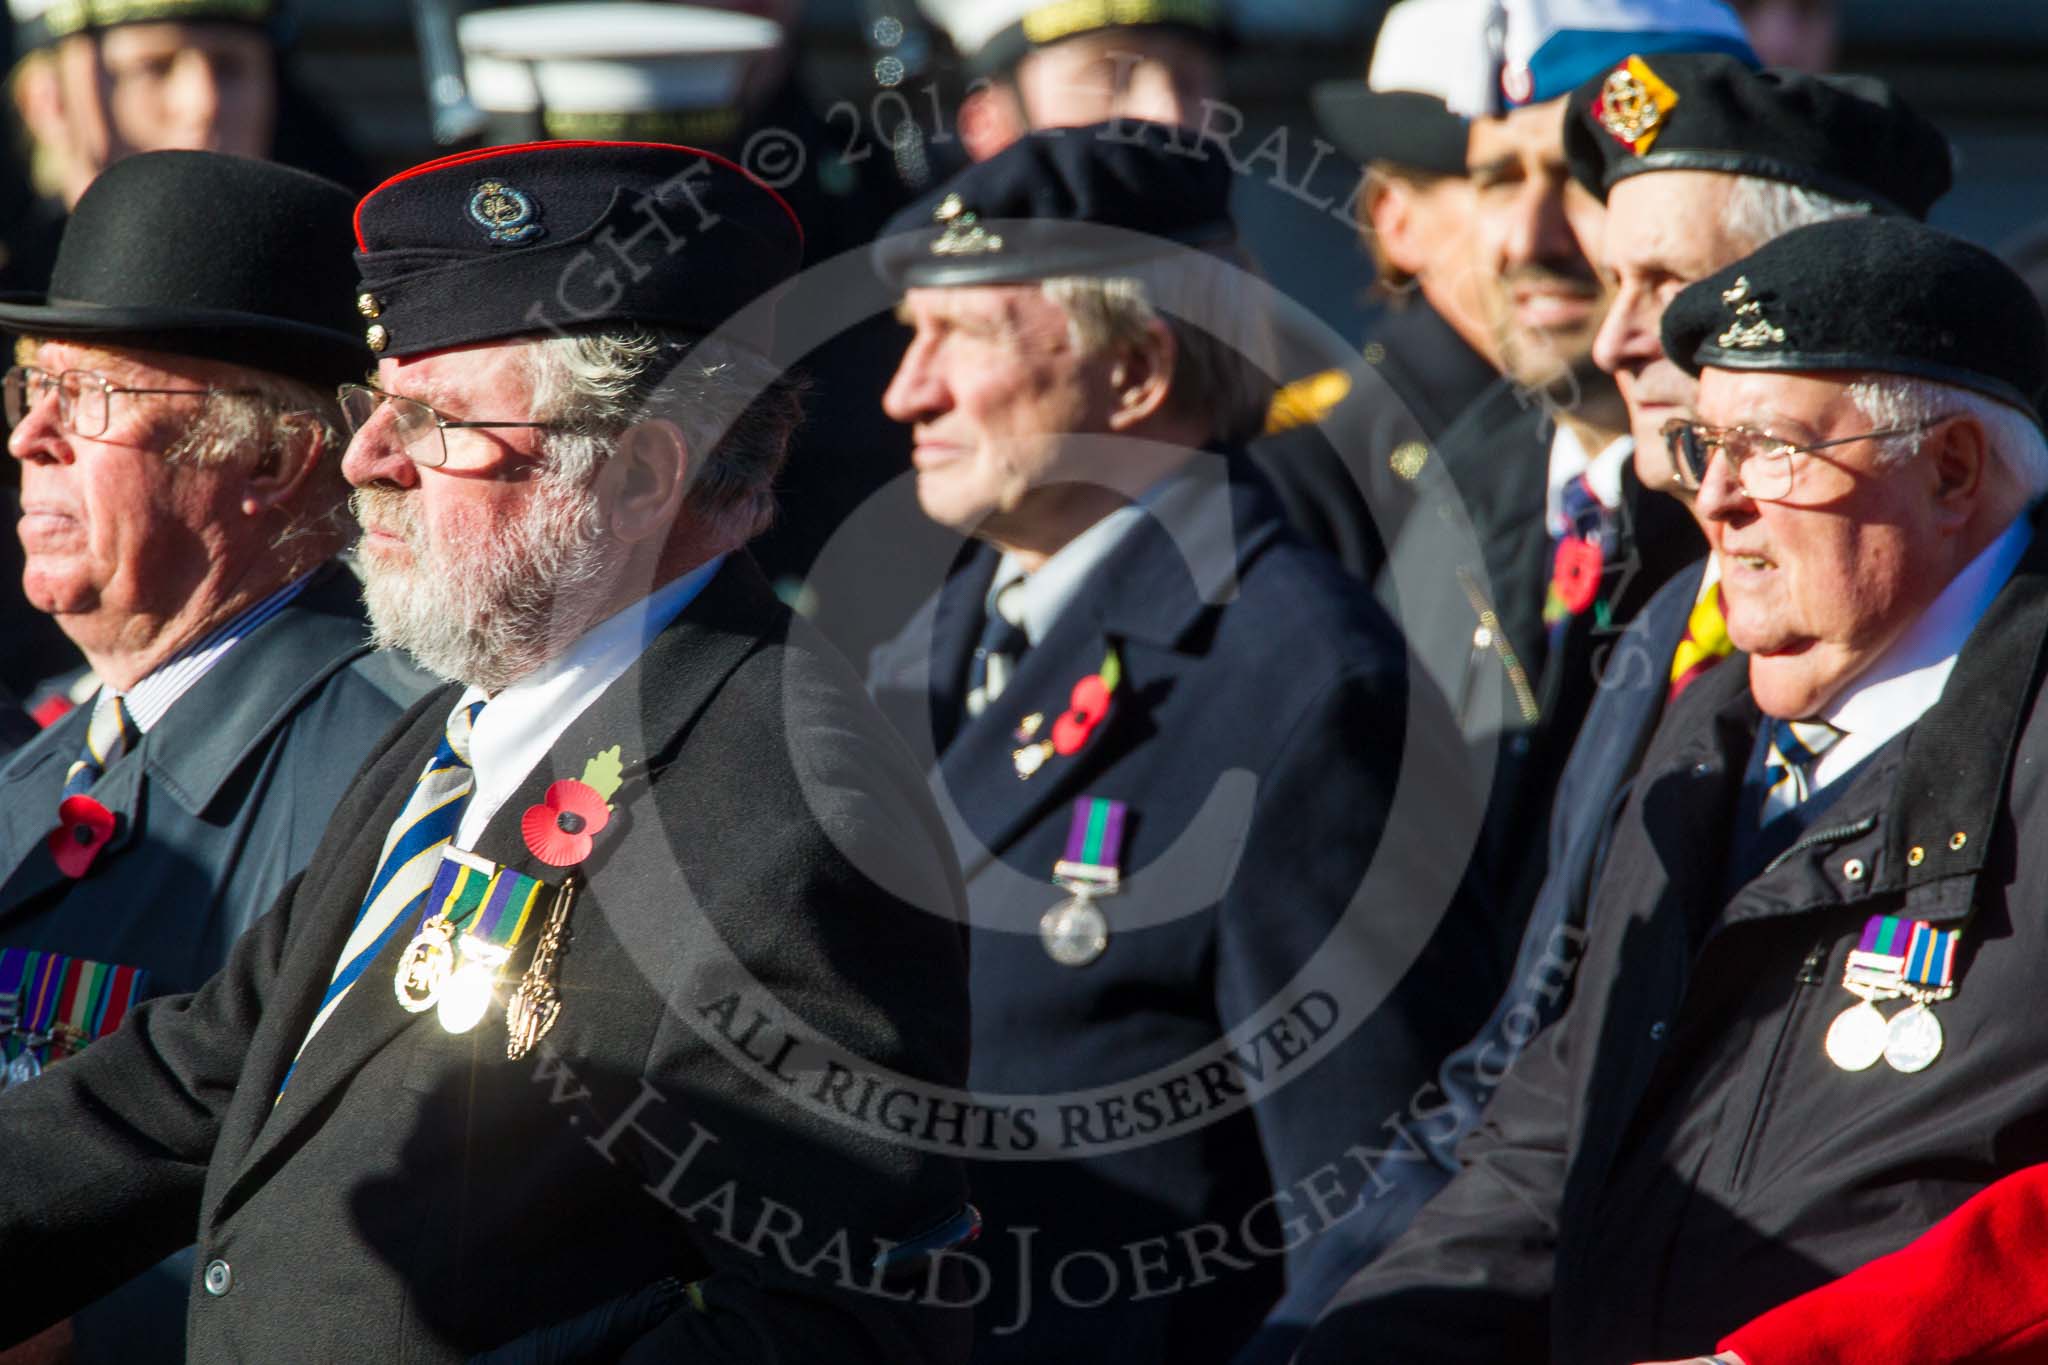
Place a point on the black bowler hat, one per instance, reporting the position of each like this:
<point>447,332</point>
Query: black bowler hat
<point>1038,208</point>
<point>565,236</point>
<point>208,255</point>
<point>1847,136</point>
<point>1882,295</point>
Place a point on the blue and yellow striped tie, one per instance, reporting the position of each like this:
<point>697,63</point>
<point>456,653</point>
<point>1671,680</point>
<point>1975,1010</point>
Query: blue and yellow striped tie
<point>1796,745</point>
<point>110,733</point>
<point>412,852</point>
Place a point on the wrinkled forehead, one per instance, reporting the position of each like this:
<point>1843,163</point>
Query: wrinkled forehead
<point>1017,308</point>
<point>1785,402</point>
<point>115,362</point>
<point>458,377</point>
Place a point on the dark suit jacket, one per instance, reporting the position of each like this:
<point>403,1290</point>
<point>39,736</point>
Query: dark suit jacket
<point>1262,729</point>
<point>219,805</point>
<point>415,1196</point>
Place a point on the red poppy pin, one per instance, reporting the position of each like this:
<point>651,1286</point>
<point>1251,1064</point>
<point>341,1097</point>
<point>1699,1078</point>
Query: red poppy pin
<point>559,830</point>
<point>83,828</point>
<point>1087,707</point>
<point>1575,577</point>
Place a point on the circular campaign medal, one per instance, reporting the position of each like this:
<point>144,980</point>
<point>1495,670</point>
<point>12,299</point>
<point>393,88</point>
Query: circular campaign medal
<point>428,963</point>
<point>24,1068</point>
<point>1074,932</point>
<point>1857,1037</point>
<point>1913,1040</point>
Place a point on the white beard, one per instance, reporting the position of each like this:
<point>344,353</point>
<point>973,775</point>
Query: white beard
<point>486,611</point>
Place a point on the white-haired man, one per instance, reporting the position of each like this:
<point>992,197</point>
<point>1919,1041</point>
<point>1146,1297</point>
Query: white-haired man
<point>174,427</point>
<point>555,1007</point>
<point>1816,932</point>
<point>1738,158</point>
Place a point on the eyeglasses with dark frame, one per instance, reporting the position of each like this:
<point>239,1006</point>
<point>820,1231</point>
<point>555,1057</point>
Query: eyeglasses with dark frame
<point>1762,463</point>
<point>417,425</point>
<point>85,398</point>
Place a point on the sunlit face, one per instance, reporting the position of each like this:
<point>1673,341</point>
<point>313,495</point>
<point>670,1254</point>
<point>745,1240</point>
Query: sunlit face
<point>481,568</point>
<point>1536,228</point>
<point>1664,230</point>
<point>992,385</point>
<point>1815,586</point>
<point>115,535</point>
<point>156,86</point>
<point>1153,74</point>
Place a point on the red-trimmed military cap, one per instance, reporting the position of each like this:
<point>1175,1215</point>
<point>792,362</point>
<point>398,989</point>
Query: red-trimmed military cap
<point>553,237</point>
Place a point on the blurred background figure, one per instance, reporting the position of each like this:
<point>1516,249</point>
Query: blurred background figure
<point>1428,354</point>
<point>1805,35</point>
<point>1049,65</point>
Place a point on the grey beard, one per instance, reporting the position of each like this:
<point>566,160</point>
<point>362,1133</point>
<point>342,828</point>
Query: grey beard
<point>486,615</point>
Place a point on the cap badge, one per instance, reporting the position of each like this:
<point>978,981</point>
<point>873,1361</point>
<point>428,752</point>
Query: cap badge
<point>504,212</point>
<point>964,234</point>
<point>1633,105</point>
<point>1750,330</point>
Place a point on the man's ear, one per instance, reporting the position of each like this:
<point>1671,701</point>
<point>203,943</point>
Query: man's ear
<point>646,480</point>
<point>1958,453</point>
<point>990,119</point>
<point>1143,378</point>
<point>1390,210</point>
<point>284,469</point>
<point>39,99</point>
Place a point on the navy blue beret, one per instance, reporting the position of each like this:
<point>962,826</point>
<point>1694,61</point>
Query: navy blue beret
<point>1884,295</point>
<point>1847,136</point>
<point>566,236</point>
<point>1035,209</point>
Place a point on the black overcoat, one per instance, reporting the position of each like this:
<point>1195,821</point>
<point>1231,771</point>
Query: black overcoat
<point>1677,1153</point>
<point>416,1196</point>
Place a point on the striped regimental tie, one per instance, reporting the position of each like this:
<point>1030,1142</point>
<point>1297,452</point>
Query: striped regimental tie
<point>412,853</point>
<point>110,733</point>
<point>1796,746</point>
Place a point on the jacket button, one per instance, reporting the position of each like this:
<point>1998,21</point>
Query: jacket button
<point>1658,1030</point>
<point>220,1277</point>
<point>1853,869</point>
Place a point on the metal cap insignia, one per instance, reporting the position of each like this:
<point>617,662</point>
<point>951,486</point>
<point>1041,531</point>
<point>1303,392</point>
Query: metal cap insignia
<point>1750,330</point>
<point>964,235</point>
<point>1634,104</point>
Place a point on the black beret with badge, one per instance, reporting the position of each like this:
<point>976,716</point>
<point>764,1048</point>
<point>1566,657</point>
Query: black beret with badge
<point>552,237</point>
<point>1847,136</point>
<point>208,255</point>
<point>1863,295</point>
<point>1064,201</point>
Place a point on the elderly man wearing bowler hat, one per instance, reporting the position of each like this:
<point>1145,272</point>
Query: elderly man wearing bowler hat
<point>179,448</point>
<point>542,1047</point>
<point>1804,1026</point>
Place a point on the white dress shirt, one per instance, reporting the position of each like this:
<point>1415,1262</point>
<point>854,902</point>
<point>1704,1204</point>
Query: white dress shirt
<point>1569,460</point>
<point>519,725</point>
<point>1908,678</point>
<point>1035,600</point>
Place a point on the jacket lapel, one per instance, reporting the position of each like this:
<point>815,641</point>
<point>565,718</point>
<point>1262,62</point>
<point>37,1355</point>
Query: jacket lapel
<point>646,712</point>
<point>1178,563</point>
<point>33,780</point>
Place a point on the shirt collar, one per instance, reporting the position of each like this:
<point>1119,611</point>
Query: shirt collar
<point>1908,678</point>
<point>1569,460</point>
<point>1041,596</point>
<point>150,699</point>
<point>520,724</point>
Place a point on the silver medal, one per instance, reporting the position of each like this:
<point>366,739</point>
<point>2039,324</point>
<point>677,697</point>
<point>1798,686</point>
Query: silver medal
<point>1074,932</point>
<point>1857,1037</point>
<point>1913,1039</point>
<point>24,1069</point>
